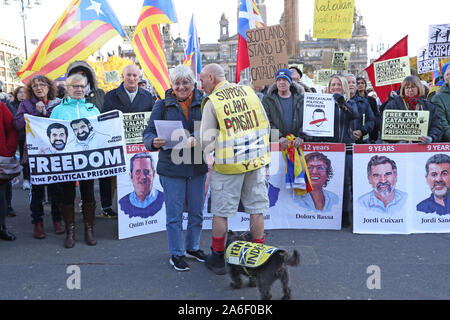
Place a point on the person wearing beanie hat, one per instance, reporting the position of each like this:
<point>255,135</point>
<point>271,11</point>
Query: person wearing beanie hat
<point>285,74</point>
<point>284,108</point>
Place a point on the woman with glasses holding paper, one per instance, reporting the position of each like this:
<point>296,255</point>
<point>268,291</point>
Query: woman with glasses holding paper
<point>40,101</point>
<point>72,108</point>
<point>182,170</point>
<point>412,98</point>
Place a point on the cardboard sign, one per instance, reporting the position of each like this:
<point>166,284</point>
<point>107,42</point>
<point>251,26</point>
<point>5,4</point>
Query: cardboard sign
<point>318,115</point>
<point>403,125</point>
<point>394,189</point>
<point>439,41</point>
<point>391,71</point>
<point>267,51</point>
<point>134,125</point>
<point>340,60</point>
<point>322,77</point>
<point>112,76</point>
<point>333,19</point>
<point>15,64</point>
<point>327,57</point>
<point>424,63</point>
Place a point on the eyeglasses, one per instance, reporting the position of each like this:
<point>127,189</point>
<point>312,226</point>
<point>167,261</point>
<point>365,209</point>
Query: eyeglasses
<point>78,86</point>
<point>38,85</point>
<point>410,88</point>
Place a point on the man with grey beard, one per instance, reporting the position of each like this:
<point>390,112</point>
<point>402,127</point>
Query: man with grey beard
<point>438,178</point>
<point>384,198</point>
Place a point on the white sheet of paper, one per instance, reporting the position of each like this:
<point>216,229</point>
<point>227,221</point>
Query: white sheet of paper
<point>171,131</point>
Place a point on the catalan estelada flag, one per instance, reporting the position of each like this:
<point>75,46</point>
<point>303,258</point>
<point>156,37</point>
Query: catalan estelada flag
<point>83,28</point>
<point>147,43</point>
<point>192,57</point>
<point>249,18</point>
<point>297,176</point>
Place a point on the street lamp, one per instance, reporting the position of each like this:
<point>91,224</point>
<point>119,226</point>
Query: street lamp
<point>25,5</point>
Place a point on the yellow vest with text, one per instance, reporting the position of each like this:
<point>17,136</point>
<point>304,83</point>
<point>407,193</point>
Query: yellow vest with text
<point>249,254</point>
<point>243,142</point>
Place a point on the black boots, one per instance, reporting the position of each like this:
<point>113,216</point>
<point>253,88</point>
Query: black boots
<point>6,235</point>
<point>216,262</point>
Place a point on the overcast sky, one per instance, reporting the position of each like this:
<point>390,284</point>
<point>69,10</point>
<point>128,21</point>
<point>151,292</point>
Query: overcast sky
<point>387,21</point>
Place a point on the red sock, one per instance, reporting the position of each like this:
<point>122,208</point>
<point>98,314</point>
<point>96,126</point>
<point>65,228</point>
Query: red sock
<point>261,241</point>
<point>218,244</point>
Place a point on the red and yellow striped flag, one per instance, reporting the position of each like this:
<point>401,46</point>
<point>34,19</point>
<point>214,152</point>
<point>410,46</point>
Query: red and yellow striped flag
<point>83,28</point>
<point>147,43</point>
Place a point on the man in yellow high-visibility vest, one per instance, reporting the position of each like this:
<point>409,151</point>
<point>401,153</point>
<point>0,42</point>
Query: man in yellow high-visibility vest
<point>235,126</point>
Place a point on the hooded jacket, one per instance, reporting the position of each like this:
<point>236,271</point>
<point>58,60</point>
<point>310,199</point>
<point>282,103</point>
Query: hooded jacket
<point>72,109</point>
<point>442,102</point>
<point>274,112</point>
<point>95,96</point>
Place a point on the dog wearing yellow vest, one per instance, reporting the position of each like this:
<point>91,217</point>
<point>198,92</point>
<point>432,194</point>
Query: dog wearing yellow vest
<point>262,264</point>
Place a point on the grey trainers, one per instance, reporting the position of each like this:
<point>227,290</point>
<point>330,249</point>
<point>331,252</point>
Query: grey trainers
<point>199,255</point>
<point>216,262</point>
<point>178,263</point>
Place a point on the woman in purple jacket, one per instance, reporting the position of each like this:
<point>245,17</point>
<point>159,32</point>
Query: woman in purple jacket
<point>41,98</point>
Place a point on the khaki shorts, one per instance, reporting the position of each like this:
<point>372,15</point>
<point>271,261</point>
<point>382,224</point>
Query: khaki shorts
<point>228,189</point>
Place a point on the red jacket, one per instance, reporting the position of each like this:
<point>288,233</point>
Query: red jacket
<point>8,135</point>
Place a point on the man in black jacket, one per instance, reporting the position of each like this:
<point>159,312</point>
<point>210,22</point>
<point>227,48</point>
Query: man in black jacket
<point>128,97</point>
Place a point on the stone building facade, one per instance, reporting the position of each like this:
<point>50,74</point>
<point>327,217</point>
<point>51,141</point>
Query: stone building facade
<point>7,52</point>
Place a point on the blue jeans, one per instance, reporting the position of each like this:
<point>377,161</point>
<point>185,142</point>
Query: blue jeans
<point>180,192</point>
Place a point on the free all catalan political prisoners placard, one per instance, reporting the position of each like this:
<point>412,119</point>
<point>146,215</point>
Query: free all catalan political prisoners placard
<point>403,125</point>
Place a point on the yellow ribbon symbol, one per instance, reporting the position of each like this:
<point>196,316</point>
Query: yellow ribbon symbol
<point>28,128</point>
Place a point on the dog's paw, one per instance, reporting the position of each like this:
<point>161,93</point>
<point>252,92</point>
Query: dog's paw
<point>252,282</point>
<point>236,285</point>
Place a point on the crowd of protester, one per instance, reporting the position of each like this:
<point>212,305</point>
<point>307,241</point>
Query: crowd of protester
<point>358,119</point>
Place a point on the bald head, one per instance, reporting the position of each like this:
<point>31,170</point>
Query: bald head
<point>131,75</point>
<point>211,75</point>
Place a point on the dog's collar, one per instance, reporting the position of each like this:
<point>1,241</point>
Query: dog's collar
<point>249,254</point>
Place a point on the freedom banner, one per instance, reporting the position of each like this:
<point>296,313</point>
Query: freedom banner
<point>318,115</point>
<point>82,149</point>
<point>391,71</point>
<point>333,19</point>
<point>401,188</point>
<point>403,125</point>
<point>439,41</point>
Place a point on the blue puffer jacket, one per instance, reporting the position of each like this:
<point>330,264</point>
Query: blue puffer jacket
<point>169,109</point>
<point>71,109</point>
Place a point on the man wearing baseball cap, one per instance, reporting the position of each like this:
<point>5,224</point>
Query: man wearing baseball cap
<point>284,107</point>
